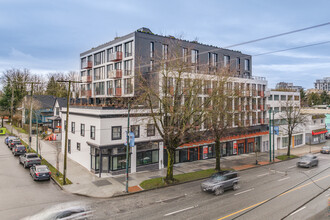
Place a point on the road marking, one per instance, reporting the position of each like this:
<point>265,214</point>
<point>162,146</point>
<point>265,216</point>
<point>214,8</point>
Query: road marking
<point>281,172</point>
<point>299,187</point>
<point>248,190</point>
<point>291,167</point>
<point>297,210</point>
<point>283,179</point>
<point>263,174</point>
<point>182,210</point>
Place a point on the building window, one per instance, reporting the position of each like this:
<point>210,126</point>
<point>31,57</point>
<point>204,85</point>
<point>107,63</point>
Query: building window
<point>298,140</point>
<point>128,86</point>
<point>276,97</point>
<point>194,56</point>
<point>185,54</point>
<point>116,133</point>
<point>238,63</point>
<point>99,58</point>
<point>69,146</point>
<point>93,132</point>
<point>110,72</point>
<point>82,130</point>
<point>109,52</point>
<point>78,146</point>
<point>118,48</point>
<point>296,98</point>
<point>150,130</point>
<point>270,98</point>
<point>147,157</point>
<point>151,68</point>
<point>226,61</point>
<point>128,67</point>
<point>99,88</point>
<point>136,130</point>
<point>110,88</point>
<point>128,49</point>
<point>321,121</point>
<point>57,111</point>
<point>283,97</point>
<point>73,127</point>
<point>152,49</point>
<point>99,73</point>
<point>276,109</point>
<point>164,51</point>
<point>247,65</point>
<point>118,162</point>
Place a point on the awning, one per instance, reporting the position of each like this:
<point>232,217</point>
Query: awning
<point>53,118</point>
<point>319,131</point>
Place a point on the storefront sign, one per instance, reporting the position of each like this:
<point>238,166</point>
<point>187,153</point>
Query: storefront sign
<point>205,152</point>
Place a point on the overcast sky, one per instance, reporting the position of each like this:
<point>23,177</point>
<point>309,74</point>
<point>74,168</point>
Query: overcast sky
<point>47,36</point>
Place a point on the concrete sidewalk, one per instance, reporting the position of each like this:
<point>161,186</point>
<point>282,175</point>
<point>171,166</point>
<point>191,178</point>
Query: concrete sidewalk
<point>88,184</point>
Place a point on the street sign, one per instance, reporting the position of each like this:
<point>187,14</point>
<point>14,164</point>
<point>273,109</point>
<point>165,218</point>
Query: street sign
<point>276,130</point>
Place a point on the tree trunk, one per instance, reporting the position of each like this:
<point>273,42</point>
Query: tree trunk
<point>217,155</point>
<point>289,144</point>
<point>170,163</point>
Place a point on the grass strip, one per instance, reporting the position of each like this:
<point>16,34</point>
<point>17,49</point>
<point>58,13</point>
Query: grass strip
<point>285,157</point>
<point>179,178</point>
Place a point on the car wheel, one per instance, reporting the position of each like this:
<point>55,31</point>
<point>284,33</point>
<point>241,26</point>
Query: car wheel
<point>218,191</point>
<point>236,186</point>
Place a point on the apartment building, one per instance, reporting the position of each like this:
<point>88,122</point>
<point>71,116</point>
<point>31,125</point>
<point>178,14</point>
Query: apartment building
<point>109,72</point>
<point>287,86</point>
<point>323,84</point>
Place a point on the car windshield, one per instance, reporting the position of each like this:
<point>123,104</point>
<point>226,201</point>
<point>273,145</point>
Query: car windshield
<point>217,177</point>
<point>32,156</point>
<point>42,169</point>
<point>326,148</point>
<point>307,157</point>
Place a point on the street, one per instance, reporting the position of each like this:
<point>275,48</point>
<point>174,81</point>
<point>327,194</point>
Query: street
<point>20,195</point>
<point>258,185</point>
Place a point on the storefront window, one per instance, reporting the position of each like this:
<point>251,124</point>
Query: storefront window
<point>298,140</point>
<point>147,157</point>
<point>285,141</point>
<point>118,162</point>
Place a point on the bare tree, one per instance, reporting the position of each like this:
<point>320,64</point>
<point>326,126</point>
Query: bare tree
<point>292,117</point>
<point>172,94</point>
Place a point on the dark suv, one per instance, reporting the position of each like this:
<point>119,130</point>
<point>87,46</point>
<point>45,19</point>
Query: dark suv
<point>18,150</point>
<point>221,181</point>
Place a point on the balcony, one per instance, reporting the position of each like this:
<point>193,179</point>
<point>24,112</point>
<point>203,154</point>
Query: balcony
<point>110,91</point>
<point>119,74</point>
<point>87,93</point>
<point>118,91</point>
<point>87,65</point>
<point>116,56</point>
<point>86,79</point>
<point>247,107</point>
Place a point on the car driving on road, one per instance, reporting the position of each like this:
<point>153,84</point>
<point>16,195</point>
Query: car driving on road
<point>308,160</point>
<point>14,142</point>
<point>221,181</point>
<point>9,138</point>
<point>325,150</point>
<point>19,150</point>
<point>40,172</point>
<point>29,159</point>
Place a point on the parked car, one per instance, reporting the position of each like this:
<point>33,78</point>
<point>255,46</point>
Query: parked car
<point>19,149</point>
<point>14,142</point>
<point>221,181</point>
<point>64,211</point>
<point>9,138</point>
<point>40,172</point>
<point>325,150</point>
<point>29,159</point>
<point>308,160</point>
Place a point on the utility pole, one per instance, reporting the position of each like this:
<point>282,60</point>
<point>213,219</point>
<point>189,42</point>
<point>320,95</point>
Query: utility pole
<point>37,132</point>
<point>11,106</point>
<point>66,127</point>
<point>127,147</point>
<point>273,137</point>
<point>270,135</point>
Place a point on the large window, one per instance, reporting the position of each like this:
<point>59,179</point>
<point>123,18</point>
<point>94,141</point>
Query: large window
<point>152,49</point>
<point>285,142</point>
<point>128,49</point>
<point>276,97</point>
<point>185,55</point>
<point>283,97</point>
<point>93,132</point>
<point>128,67</point>
<point>110,88</point>
<point>164,51</point>
<point>57,111</point>
<point>116,133</point>
<point>78,146</point>
<point>226,61</point>
<point>238,63</point>
<point>270,98</point>
<point>150,130</point>
<point>73,127</point>
<point>194,56</point>
<point>119,162</point>
<point>247,65</point>
<point>298,140</point>
<point>147,157</point>
<point>136,130</point>
<point>128,86</point>
<point>110,72</point>
<point>69,146</point>
<point>82,130</point>
<point>99,73</point>
<point>99,88</point>
<point>99,58</point>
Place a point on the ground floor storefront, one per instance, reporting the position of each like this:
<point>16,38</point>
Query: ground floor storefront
<point>316,136</point>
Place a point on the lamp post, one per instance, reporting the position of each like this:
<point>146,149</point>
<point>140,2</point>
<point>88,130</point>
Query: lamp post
<point>127,146</point>
<point>273,137</point>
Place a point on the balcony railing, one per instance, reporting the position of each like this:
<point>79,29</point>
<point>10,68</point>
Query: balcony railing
<point>119,74</point>
<point>87,93</point>
<point>116,56</point>
<point>86,79</point>
<point>110,91</point>
<point>87,65</point>
<point>118,91</point>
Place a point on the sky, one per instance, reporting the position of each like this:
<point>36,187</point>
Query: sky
<point>47,36</point>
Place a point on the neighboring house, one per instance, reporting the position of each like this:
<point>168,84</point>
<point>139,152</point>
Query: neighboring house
<point>315,129</point>
<point>287,86</point>
<point>42,109</point>
<point>55,120</point>
<point>108,73</point>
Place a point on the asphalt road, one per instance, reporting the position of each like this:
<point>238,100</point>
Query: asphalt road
<point>258,187</point>
<point>20,196</point>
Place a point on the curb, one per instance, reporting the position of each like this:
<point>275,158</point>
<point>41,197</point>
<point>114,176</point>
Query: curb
<point>58,184</point>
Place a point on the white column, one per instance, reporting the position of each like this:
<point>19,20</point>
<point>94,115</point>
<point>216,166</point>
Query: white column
<point>133,160</point>
<point>161,155</point>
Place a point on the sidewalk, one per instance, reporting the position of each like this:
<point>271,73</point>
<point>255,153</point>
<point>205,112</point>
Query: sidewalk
<point>88,184</point>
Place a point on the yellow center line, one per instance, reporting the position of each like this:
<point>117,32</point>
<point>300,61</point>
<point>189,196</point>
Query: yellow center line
<point>298,187</point>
